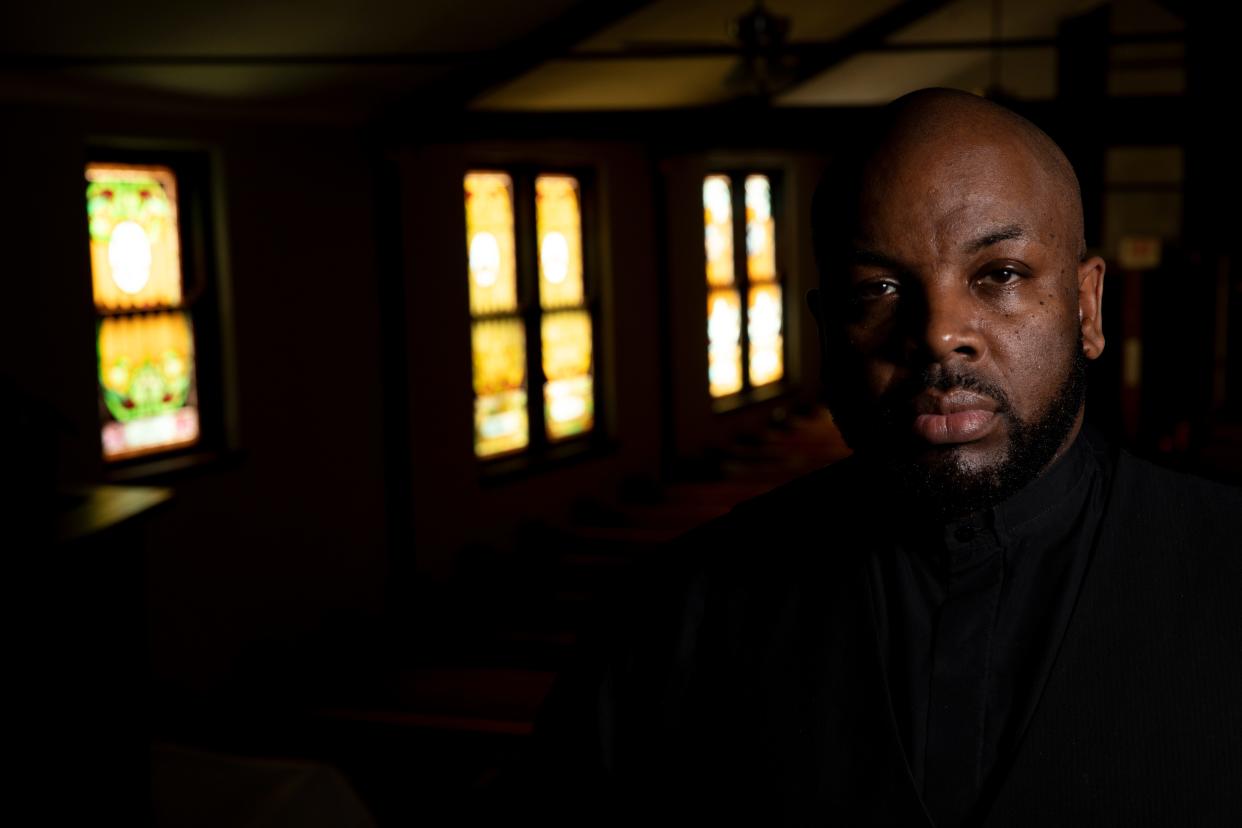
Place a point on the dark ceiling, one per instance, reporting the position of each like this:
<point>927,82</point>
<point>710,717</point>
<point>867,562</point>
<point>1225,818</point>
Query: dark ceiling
<point>562,55</point>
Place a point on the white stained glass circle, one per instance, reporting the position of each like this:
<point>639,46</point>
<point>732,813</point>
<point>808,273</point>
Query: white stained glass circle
<point>765,319</point>
<point>759,197</point>
<point>716,242</point>
<point>554,256</point>
<point>484,259</point>
<point>565,407</point>
<point>756,239</point>
<point>723,324</point>
<point>716,198</point>
<point>129,256</point>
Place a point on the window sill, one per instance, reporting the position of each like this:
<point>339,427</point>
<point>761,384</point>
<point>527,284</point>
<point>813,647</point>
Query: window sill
<point>504,470</point>
<point>746,399</point>
<point>168,469</point>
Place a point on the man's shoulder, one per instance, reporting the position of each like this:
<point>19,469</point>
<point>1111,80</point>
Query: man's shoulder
<point>1171,508</point>
<point>1151,484</point>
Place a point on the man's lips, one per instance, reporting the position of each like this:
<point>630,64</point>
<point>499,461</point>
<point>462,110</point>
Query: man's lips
<point>956,416</point>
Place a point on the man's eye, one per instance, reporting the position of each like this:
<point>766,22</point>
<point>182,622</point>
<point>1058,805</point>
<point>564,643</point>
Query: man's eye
<point>875,290</point>
<point>1002,276</point>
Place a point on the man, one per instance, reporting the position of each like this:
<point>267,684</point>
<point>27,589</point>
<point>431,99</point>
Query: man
<point>985,616</point>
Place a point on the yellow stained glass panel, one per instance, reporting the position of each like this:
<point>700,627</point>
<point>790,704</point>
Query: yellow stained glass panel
<point>147,383</point>
<point>760,230</point>
<point>569,397</point>
<point>134,239</point>
<point>489,242</point>
<point>500,419</point>
<point>718,229</point>
<point>763,327</point>
<point>724,342</point>
<point>558,220</point>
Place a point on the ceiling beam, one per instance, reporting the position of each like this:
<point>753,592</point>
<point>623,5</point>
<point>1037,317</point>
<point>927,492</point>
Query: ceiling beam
<point>868,36</point>
<point>499,66</point>
<point>805,49</point>
<point>1141,120</point>
<point>64,61</point>
<point>814,49</point>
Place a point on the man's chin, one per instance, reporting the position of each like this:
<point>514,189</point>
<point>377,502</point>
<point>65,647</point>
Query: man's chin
<point>947,482</point>
<point>944,481</point>
<point>986,458</point>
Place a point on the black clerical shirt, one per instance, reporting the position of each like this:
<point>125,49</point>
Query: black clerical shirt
<point>971,616</point>
<point>885,676</point>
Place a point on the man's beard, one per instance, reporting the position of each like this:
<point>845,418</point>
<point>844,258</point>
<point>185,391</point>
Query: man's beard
<point>945,487</point>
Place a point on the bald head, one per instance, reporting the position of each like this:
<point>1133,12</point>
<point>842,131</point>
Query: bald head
<point>944,129</point>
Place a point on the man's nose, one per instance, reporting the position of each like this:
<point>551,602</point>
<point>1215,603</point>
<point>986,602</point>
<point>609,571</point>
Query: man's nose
<point>947,325</point>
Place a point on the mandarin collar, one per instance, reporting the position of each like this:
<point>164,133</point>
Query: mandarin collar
<point>966,542</point>
<point>1051,490</point>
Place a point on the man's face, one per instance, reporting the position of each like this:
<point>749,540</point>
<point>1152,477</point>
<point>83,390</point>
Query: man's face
<point>955,349</point>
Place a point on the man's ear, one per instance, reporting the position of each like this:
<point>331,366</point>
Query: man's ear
<point>1091,305</point>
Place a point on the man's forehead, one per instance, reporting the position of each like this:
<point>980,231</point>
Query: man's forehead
<point>967,240</point>
<point>957,161</point>
<point>951,151</point>
<point>958,190</point>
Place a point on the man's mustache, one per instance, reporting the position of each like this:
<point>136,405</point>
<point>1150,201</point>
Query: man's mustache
<point>899,400</point>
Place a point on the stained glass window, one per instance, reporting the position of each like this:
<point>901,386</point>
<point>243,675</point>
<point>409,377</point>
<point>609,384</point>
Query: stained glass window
<point>489,240</point>
<point>144,337</point>
<point>500,422</point>
<point>763,305</point>
<point>724,342</point>
<point>724,326</point>
<point>763,326</point>
<point>760,230</point>
<point>569,393</point>
<point>559,227</point>
<point>745,344</point>
<point>499,340</point>
<point>559,329</point>
<point>718,229</point>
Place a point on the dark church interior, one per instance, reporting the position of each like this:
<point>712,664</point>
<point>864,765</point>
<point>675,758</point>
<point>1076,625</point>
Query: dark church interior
<point>293,537</point>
